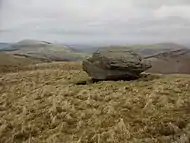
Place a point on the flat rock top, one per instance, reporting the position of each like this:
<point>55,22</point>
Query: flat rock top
<point>121,54</point>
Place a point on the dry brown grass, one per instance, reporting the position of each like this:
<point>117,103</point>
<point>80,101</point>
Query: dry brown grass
<point>43,104</point>
<point>13,63</point>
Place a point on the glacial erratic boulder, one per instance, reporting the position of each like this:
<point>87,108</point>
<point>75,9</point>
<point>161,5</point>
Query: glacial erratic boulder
<point>115,64</point>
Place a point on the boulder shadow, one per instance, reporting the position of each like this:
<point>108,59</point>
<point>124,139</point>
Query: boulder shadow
<point>87,82</point>
<point>142,77</point>
<point>148,77</point>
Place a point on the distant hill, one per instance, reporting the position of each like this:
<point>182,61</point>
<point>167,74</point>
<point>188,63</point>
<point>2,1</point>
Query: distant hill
<point>151,49</point>
<point>143,49</point>
<point>166,58</point>
<point>4,45</point>
<point>44,50</point>
<point>84,48</point>
<point>154,49</point>
<point>174,62</point>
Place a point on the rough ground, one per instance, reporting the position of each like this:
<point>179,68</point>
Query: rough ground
<point>45,104</point>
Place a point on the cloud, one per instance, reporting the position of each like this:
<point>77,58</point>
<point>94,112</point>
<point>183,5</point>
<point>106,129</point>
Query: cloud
<point>95,20</point>
<point>153,4</point>
<point>179,10</point>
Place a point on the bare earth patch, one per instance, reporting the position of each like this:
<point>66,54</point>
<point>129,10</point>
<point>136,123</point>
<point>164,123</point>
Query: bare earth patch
<point>44,104</point>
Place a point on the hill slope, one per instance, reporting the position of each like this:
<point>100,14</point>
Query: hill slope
<point>166,58</point>
<point>44,50</point>
<point>10,62</point>
<point>3,45</point>
<point>46,104</point>
<point>154,49</point>
<point>7,59</point>
<point>171,62</point>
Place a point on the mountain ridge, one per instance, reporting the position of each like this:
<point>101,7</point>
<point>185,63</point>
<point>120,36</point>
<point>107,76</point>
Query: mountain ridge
<point>44,50</point>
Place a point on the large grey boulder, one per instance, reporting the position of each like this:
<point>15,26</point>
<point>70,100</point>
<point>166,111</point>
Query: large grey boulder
<point>115,64</point>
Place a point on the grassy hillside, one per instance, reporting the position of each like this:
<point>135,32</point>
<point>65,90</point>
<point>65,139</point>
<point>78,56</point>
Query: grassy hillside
<point>154,49</point>
<point>10,62</point>
<point>46,103</point>
<point>151,49</point>
<point>45,50</point>
<point>171,62</point>
<point>3,45</point>
<point>158,46</point>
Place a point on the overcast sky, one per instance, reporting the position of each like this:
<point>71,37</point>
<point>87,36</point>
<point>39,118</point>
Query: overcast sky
<point>91,21</point>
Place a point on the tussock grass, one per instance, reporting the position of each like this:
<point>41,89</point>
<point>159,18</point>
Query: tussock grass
<point>44,104</point>
<point>40,66</point>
